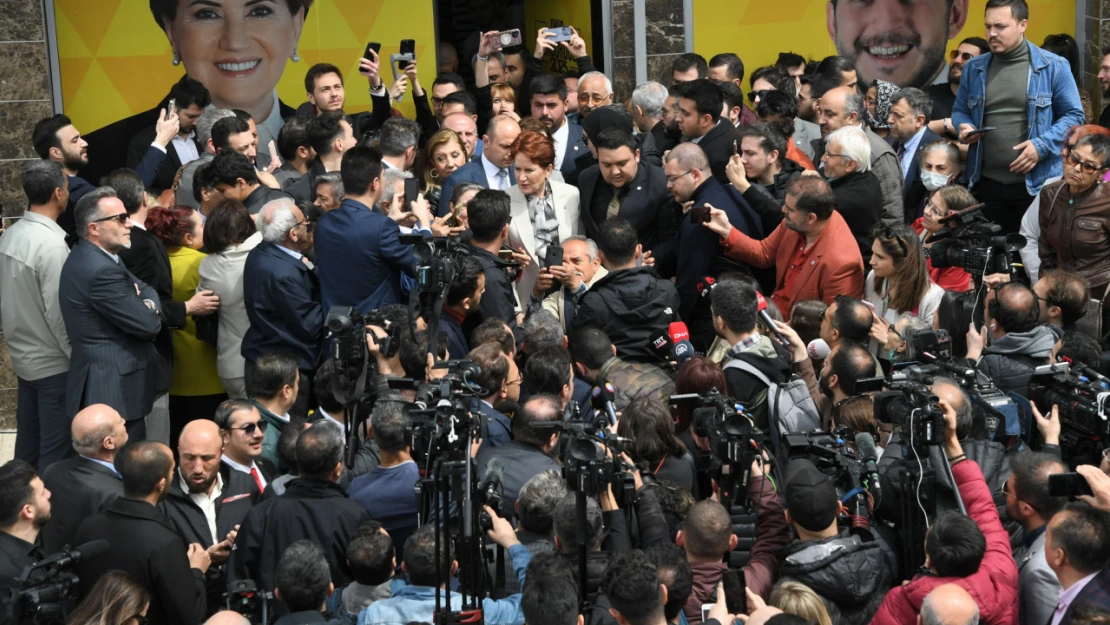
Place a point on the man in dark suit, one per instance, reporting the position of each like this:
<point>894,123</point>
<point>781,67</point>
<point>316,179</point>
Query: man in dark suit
<point>1077,548</point>
<point>464,296</point>
<point>281,292</point>
<point>56,139</point>
<point>529,451</point>
<point>148,261</point>
<point>549,105</point>
<point>235,178</point>
<point>909,125</point>
<point>621,185</point>
<point>86,483</point>
<point>493,169</point>
<point>111,317</point>
<point>699,116</point>
<point>143,544</point>
<point>700,254</point>
<point>500,380</point>
<point>358,250</point>
<point>25,510</point>
<point>190,99</point>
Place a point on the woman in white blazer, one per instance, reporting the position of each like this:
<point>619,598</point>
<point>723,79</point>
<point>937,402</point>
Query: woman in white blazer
<point>544,211</point>
<point>229,235</point>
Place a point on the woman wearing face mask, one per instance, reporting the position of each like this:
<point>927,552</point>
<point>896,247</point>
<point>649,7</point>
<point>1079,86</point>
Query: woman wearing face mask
<point>899,281</point>
<point>944,201</point>
<point>1075,218</point>
<point>1030,222</point>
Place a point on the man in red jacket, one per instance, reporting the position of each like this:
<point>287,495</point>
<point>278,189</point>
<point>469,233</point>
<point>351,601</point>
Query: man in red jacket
<point>957,551</point>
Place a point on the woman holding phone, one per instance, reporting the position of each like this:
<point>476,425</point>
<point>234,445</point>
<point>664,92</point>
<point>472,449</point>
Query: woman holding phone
<point>898,282</point>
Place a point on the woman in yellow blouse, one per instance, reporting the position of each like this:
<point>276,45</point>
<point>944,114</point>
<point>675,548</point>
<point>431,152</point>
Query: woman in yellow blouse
<point>196,390</point>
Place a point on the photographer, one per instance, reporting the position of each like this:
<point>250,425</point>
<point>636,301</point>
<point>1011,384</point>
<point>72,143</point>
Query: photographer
<point>1019,342</point>
<point>464,297</point>
<point>529,453</point>
<point>1029,502</point>
<point>850,569</point>
<point>648,424</point>
<point>971,551</point>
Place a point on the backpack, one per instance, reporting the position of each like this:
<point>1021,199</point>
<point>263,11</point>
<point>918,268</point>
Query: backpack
<point>790,408</point>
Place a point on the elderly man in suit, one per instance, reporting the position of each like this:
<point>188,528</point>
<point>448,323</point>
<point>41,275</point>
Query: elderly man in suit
<point>111,317</point>
<point>85,484</point>
<point>494,168</point>
<point>813,251</point>
<point>621,185</point>
<point>909,125</point>
<point>281,292</point>
<point>1028,502</point>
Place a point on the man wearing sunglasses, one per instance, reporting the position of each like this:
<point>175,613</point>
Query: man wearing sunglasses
<point>242,430</point>
<point>944,93</point>
<point>111,317</point>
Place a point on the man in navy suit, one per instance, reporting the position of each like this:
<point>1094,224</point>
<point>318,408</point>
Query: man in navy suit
<point>280,290</point>
<point>494,168</point>
<point>549,105</point>
<point>111,317</point>
<point>358,250</point>
<point>909,124</point>
<point>699,117</point>
<point>500,380</point>
<point>464,295</point>
<point>1077,549</point>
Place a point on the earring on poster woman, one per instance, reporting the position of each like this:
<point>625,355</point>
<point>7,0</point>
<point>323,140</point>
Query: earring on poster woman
<point>296,57</point>
<point>176,61</point>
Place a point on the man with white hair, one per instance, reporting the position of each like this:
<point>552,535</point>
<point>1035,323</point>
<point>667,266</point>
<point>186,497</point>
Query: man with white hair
<point>647,106</point>
<point>595,90</point>
<point>859,196</point>
<point>281,291</point>
<point>204,138</point>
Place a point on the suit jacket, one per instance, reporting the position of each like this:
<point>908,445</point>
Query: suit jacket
<point>575,147</point>
<point>647,205</point>
<point>1094,596</point>
<point>522,235</point>
<point>79,488</point>
<point>145,546</point>
<point>262,196</point>
<point>111,332</point>
<point>805,133</point>
<point>471,172</point>
<point>164,175</point>
<point>282,297</point>
<point>718,147</point>
<point>914,191</point>
<point>836,267</point>
<point>1038,588</point>
<point>148,261</point>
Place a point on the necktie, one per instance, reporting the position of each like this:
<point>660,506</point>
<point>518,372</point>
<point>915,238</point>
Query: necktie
<point>614,205</point>
<point>502,179</point>
<point>901,151</point>
<point>257,479</point>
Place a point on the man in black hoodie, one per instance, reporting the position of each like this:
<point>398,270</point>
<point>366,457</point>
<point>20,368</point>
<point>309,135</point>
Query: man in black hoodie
<point>631,304</point>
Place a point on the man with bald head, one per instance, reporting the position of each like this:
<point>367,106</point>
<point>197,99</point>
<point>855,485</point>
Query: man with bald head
<point>86,483</point>
<point>467,128</point>
<point>948,604</point>
<point>700,255</point>
<point>842,107</point>
<point>493,168</point>
<point>207,499</point>
<point>227,617</point>
<point>1019,342</point>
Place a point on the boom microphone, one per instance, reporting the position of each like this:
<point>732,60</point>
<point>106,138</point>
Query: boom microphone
<point>869,456</point>
<point>765,317</point>
<point>818,349</point>
<point>495,470</point>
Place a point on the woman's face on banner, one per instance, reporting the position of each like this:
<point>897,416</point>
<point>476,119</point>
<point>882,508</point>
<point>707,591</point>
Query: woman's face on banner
<point>236,48</point>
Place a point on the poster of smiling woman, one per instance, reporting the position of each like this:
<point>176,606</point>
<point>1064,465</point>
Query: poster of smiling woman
<point>119,58</point>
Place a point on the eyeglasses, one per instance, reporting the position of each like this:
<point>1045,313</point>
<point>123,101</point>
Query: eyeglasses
<point>1073,160</point>
<point>1006,492</point>
<point>831,155</point>
<point>757,95</point>
<point>884,231</point>
<point>306,221</point>
<point>673,180</point>
<point>249,428</point>
<point>518,380</point>
<point>1069,147</point>
<point>956,54</point>
<point>932,208</point>
<point>121,218</point>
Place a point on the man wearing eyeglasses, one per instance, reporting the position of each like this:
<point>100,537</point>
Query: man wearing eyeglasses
<point>944,93</point>
<point>243,429</point>
<point>111,317</point>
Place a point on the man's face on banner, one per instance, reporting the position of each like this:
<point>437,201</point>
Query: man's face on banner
<point>900,41</point>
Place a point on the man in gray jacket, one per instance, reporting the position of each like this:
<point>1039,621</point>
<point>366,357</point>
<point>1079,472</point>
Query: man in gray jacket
<point>1028,502</point>
<point>1019,341</point>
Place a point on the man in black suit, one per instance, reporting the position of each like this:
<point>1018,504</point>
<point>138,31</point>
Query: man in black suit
<point>111,317</point>
<point>549,105</point>
<point>649,102</point>
<point>699,116</point>
<point>86,483</point>
<point>148,261</point>
<point>25,510</point>
<point>528,453</point>
<point>281,292</point>
<point>143,544</point>
<point>909,125</point>
<point>236,179</point>
<point>190,99</point>
<point>621,185</point>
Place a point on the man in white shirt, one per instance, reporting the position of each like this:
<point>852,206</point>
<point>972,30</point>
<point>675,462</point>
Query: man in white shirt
<point>242,430</point>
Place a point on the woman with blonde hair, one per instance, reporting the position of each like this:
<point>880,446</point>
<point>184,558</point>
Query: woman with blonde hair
<point>800,600</point>
<point>444,153</point>
<point>115,600</point>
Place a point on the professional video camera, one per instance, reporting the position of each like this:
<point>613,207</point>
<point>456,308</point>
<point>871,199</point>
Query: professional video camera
<point>347,344</point>
<point>245,598</point>
<point>441,419</point>
<point>971,242</point>
<point>47,589</point>
<point>734,442</point>
<point>1082,397</point>
<point>437,258</point>
<point>852,474</point>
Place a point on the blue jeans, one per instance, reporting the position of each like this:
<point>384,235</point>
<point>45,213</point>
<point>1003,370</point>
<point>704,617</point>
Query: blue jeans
<point>42,436</point>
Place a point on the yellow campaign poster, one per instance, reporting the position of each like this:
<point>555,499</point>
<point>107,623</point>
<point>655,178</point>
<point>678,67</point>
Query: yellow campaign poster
<point>116,61</point>
<point>902,42</point>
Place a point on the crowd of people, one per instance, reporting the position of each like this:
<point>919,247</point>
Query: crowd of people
<point>171,320</point>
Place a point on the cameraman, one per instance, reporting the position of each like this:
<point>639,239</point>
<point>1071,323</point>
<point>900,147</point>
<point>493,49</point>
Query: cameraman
<point>1019,342</point>
<point>851,569</point>
<point>971,551</point>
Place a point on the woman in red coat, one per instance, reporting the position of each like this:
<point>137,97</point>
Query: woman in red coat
<point>945,200</point>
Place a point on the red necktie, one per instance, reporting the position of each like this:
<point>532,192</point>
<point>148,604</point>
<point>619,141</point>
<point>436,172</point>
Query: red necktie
<point>257,479</point>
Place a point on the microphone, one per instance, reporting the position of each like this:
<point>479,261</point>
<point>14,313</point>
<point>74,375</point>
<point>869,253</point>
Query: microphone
<point>765,317</point>
<point>602,401</point>
<point>508,408</point>
<point>495,470</point>
<point>869,456</point>
<point>681,348</point>
<point>818,349</point>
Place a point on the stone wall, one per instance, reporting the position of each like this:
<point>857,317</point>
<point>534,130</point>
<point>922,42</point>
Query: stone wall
<point>25,98</point>
<point>666,39</point>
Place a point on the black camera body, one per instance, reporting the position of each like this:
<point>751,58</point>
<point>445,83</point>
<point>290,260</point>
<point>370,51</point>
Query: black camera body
<point>437,259</point>
<point>974,244</point>
<point>244,597</point>
<point>441,422</point>
<point>733,441</point>
<point>591,457</point>
<point>1083,401</point>
<point>830,453</point>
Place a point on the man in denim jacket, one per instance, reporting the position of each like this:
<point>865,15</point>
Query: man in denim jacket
<point>416,602</point>
<point>1030,97</point>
